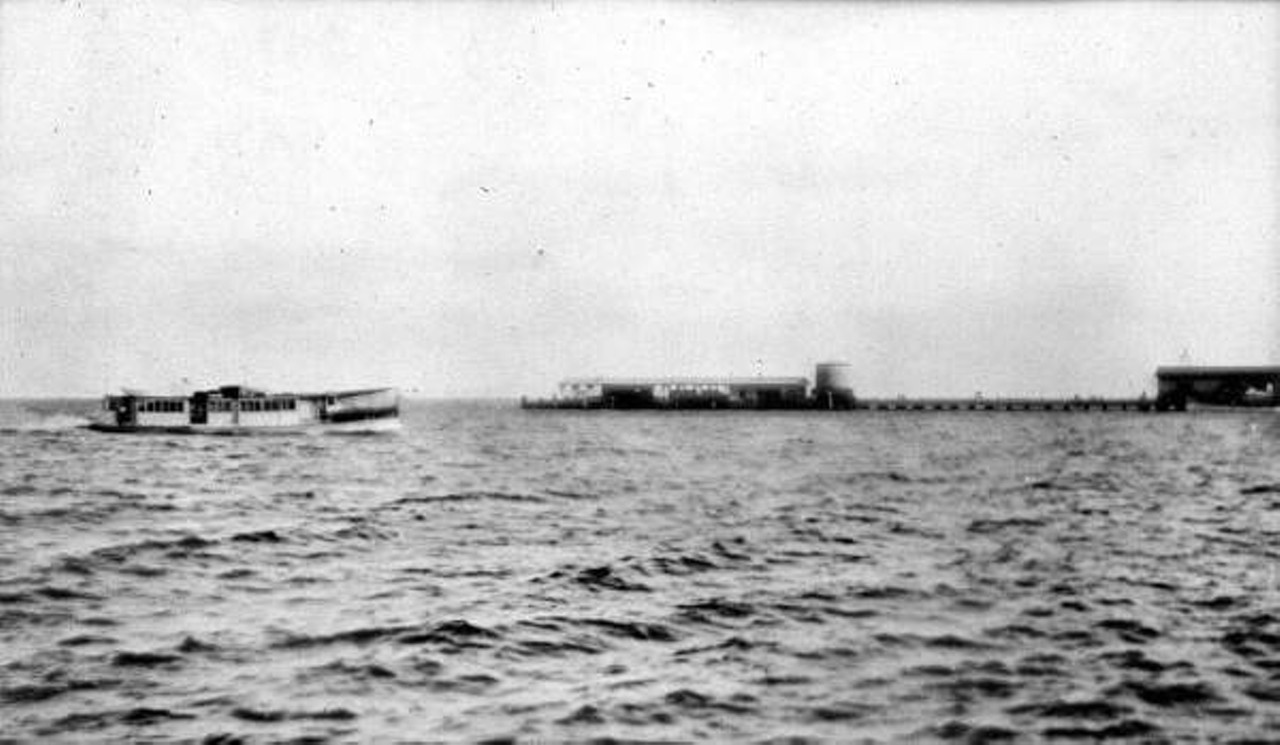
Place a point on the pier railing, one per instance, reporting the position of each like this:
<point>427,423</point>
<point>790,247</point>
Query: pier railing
<point>1005,404</point>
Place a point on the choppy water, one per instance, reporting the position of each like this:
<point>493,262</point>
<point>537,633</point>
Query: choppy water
<point>490,572</point>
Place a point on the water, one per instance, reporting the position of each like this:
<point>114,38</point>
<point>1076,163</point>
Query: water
<point>489,572</point>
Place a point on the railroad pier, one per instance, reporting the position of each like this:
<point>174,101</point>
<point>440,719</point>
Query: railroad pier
<point>1178,389</point>
<point>862,404</point>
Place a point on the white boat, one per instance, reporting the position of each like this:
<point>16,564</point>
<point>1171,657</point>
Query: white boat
<point>234,408</point>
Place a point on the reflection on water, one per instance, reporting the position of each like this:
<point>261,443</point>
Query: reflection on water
<point>493,572</point>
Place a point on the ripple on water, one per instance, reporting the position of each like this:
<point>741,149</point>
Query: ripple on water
<point>492,572</point>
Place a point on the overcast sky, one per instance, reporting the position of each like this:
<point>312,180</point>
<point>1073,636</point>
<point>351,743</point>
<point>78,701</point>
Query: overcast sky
<point>480,198</point>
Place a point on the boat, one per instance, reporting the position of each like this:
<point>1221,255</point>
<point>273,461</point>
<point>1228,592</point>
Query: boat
<point>232,409</point>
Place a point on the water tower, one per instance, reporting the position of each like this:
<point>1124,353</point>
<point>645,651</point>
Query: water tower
<point>833,385</point>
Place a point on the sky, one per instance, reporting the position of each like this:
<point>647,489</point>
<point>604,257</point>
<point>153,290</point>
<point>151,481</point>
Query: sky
<point>482,198</point>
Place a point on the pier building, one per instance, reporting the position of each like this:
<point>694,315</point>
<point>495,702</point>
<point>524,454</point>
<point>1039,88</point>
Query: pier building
<point>684,393</point>
<point>1178,388</point>
<point>833,386</point>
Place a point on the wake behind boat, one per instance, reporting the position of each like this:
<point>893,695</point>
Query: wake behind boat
<point>234,409</point>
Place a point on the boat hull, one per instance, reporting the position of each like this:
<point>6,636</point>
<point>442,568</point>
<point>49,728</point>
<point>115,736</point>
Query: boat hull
<point>354,426</point>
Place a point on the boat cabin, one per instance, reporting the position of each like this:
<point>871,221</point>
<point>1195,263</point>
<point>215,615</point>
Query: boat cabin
<point>228,406</point>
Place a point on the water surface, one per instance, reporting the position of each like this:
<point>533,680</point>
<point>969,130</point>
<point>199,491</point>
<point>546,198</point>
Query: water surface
<point>490,572</point>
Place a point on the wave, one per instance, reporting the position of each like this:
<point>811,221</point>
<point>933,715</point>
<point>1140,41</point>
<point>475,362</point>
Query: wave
<point>250,714</point>
<point>46,423</point>
<point>455,634</point>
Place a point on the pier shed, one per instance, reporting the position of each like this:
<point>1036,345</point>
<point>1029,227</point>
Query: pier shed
<point>686,393</point>
<point>1180,387</point>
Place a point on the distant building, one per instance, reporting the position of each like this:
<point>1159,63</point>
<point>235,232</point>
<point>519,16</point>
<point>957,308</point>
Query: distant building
<point>1180,387</point>
<point>686,393</point>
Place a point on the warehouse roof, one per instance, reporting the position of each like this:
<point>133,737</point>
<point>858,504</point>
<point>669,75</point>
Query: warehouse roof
<point>1187,371</point>
<point>756,382</point>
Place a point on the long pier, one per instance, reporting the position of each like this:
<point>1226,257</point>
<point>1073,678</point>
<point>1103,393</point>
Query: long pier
<point>901,404</point>
<point>1178,389</point>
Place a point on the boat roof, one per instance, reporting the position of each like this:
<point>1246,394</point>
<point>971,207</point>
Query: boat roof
<point>242,391</point>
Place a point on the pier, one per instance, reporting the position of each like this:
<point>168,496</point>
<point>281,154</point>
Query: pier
<point>862,404</point>
<point>1177,389</point>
